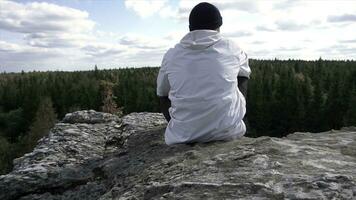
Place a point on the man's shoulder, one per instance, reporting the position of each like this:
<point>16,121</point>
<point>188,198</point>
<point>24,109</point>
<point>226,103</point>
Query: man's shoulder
<point>232,45</point>
<point>169,53</point>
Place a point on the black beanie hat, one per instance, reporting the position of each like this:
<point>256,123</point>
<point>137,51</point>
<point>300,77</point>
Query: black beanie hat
<point>204,16</point>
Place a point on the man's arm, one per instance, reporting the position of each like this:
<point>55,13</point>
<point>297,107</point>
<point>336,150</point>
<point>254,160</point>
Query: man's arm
<point>163,88</point>
<point>242,84</point>
<point>165,104</point>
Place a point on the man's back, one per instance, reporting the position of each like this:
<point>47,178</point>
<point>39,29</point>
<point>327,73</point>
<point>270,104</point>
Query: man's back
<point>200,77</point>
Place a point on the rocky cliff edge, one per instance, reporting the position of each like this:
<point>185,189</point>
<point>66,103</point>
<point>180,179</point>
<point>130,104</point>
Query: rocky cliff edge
<point>93,155</point>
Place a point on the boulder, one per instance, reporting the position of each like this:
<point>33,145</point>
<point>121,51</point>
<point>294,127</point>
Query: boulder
<point>93,155</point>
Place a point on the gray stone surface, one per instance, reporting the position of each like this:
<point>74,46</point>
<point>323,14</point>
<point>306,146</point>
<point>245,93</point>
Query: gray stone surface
<point>92,155</point>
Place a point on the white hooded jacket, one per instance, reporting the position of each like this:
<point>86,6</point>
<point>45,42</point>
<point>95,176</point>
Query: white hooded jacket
<point>199,76</point>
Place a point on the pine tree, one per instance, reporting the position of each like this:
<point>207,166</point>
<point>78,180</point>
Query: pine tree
<point>44,120</point>
<point>108,98</point>
<point>334,113</point>
<point>350,116</point>
<point>315,110</point>
<point>5,158</point>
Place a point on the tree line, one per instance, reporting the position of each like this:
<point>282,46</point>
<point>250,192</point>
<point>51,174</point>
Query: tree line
<point>283,97</point>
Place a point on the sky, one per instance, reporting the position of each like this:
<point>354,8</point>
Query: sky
<point>73,35</point>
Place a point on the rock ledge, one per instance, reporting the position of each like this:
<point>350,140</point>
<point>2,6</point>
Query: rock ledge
<point>93,155</point>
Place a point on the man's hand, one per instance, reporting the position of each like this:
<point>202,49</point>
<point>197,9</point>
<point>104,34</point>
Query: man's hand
<point>165,104</point>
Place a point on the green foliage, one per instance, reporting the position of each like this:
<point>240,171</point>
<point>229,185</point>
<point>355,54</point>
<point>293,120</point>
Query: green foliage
<point>350,118</point>
<point>11,124</point>
<point>45,119</point>
<point>108,98</point>
<point>5,155</point>
<point>294,95</point>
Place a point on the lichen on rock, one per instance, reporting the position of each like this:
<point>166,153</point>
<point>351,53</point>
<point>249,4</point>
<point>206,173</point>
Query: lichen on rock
<point>93,155</point>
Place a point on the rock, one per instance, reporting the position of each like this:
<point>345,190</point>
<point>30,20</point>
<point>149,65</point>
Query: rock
<point>89,117</point>
<point>93,155</point>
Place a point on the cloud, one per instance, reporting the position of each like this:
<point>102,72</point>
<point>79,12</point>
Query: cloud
<point>168,12</point>
<point>260,53</point>
<point>129,48</point>
<point>15,55</point>
<point>287,4</point>
<point>8,47</point>
<point>264,28</point>
<point>242,5</point>
<point>45,34</point>
<point>145,8</point>
<point>237,34</point>
<point>245,6</point>
<point>148,8</point>
<point>288,49</point>
<point>280,52</point>
<point>42,17</point>
<point>258,42</point>
<point>62,40</point>
<point>344,49</point>
<point>142,42</point>
<point>46,25</point>
<point>348,41</point>
<point>102,50</point>
<point>174,36</point>
<point>339,50</point>
<point>342,18</point>
<point>147,57</point>
<point>290,26</point>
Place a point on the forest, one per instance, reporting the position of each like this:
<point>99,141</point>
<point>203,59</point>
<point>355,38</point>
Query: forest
<point>284,96</point>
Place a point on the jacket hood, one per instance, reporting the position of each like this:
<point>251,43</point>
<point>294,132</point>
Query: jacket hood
<point>200,39</point>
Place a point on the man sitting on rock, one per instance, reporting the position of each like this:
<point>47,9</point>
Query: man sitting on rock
<point>202,83</point>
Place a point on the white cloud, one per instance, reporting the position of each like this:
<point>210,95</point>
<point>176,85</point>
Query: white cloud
<point>42,17</point>
<point>264,28</point>
<point>102,50</point>
<point>237,34</point>
<point>342,18</point>
<point>46,25</point>
<point>145,8</point>
<point>142,42</point>
<point>348,41</point>
<point>241,5</point>
<point>175,36</point>
<point>49,35</point>
<point>290,26</point>
<point>61,40</point>
<point>168,12</point>
<point>286,4</point>
<point>16,57</point>
<point>131,49</point>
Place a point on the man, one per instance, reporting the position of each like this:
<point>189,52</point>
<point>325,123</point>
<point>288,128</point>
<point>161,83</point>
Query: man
<point>202,83</point>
